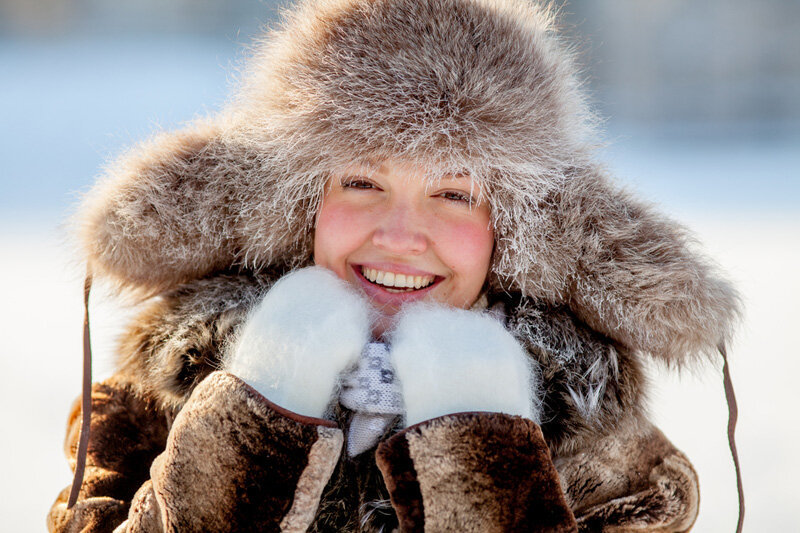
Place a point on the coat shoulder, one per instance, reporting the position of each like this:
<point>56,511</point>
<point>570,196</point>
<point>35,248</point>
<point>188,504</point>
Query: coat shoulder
<point>180,337</point>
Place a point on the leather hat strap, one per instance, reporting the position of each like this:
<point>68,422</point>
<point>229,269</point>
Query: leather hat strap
<point>86,399</point>
<point>733,414</point>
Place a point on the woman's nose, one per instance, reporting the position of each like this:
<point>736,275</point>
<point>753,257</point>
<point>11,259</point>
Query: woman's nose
<point>401,231</point>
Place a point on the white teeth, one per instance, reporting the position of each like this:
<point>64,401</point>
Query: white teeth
<point>401,281</point>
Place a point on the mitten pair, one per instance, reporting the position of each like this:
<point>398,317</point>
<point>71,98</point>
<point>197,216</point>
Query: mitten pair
<point>311,326</point>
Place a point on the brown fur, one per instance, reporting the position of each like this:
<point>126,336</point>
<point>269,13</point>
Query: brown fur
<point>589,382</point>
<point>112,477</point>
<point>646,483</point>
<point>395,461</point>
<point>237,436</point>
<point>180,337</point>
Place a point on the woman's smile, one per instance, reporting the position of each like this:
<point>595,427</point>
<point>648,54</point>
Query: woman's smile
<point>390,288</point>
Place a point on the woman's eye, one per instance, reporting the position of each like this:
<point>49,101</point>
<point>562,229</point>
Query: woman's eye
<point>357,183</point>
<point>457,196</point>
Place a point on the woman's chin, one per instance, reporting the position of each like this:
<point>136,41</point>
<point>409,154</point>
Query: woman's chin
<point>381,326</point>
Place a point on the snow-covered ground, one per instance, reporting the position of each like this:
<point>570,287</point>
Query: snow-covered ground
<point>63,109</point>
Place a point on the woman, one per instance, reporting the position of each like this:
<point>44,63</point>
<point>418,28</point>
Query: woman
<point>446,141</point>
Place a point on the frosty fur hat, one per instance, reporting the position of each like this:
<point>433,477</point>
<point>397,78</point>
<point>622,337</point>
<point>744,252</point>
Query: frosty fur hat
<point>481,87</point>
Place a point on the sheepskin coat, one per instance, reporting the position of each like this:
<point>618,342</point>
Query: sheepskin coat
<point>200,222</point>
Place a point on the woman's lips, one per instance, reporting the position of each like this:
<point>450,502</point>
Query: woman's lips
<point>393,297</point>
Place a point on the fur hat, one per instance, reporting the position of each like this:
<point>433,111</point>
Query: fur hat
<point>481,87</point>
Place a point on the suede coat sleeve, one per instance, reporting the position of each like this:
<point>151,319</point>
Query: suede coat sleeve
<point>232,461</point>
<point>481,472</point>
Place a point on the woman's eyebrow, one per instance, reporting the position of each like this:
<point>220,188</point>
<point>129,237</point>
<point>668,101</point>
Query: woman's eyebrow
<point>460,176</point>
<point>362,166</point>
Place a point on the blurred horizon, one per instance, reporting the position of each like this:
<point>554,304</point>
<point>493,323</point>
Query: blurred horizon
<point>664,60</point>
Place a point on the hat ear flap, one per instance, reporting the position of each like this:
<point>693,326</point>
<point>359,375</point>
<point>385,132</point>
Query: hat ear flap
<point>158,217</point>
<point>638,277</point>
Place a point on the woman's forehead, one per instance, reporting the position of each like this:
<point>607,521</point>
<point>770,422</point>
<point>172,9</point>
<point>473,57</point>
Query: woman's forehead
<point>404,167</point>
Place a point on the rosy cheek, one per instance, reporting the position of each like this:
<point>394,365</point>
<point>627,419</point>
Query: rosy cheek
<point>472,243</point>
<point>466,247</point>
<point>335,237</point>
<point>334,217</point>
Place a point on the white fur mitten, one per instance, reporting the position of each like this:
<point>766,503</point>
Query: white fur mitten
<point>453,360</point>
<point>308,328</point>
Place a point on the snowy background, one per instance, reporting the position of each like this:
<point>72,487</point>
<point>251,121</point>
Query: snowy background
<point>709,130</point>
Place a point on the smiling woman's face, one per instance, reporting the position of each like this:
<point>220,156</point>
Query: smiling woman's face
<point>400,237</point>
